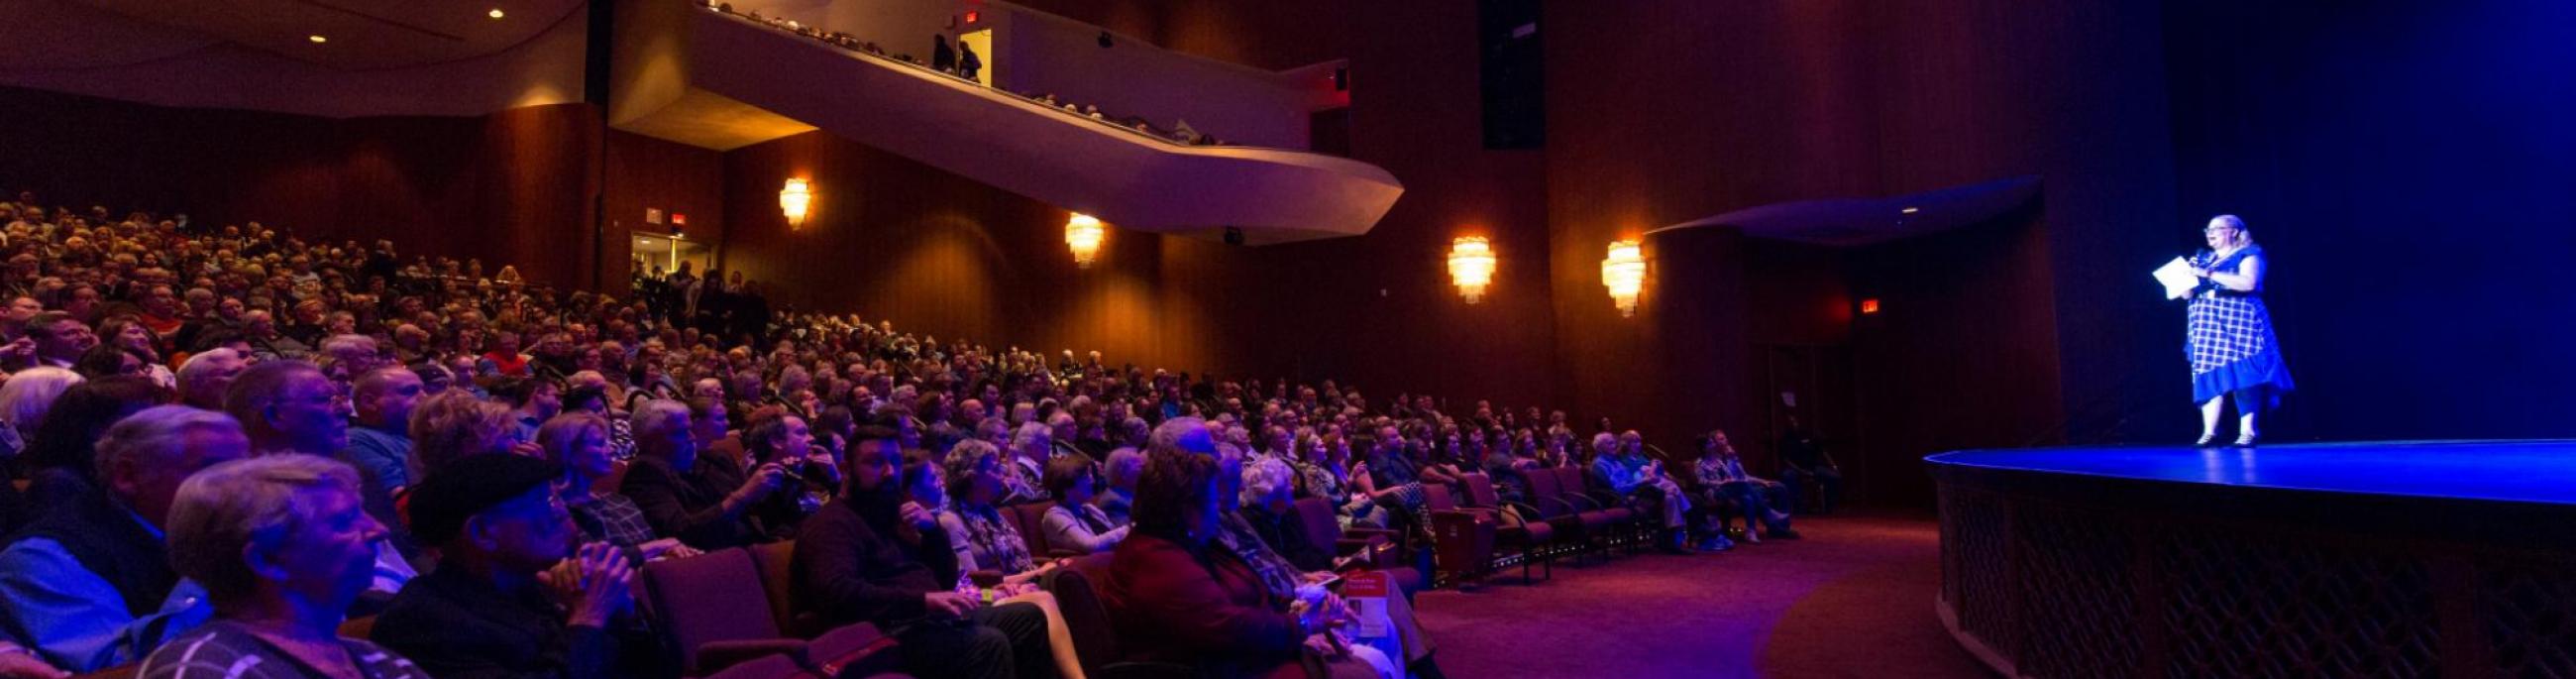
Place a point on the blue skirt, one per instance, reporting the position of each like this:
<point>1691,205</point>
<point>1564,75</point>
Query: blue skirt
<point>2232,349</point>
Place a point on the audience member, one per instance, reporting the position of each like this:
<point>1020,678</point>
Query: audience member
<point>283,546</point>
<point>514,595</point>
<point>90,586</point>
<point>863,560</point>
<point>579,442</point>
<point>1074,523</point>
<point>701,499</point>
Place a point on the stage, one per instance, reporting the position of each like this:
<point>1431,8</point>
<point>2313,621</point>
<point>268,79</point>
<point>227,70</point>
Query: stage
<point>2353,559</point>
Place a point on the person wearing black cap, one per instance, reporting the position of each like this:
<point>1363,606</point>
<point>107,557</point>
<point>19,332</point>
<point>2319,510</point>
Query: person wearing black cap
<point>508,576</point>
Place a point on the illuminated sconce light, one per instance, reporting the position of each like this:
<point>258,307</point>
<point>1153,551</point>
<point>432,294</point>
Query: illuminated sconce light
<point>1084,234</point>
<point>1624,272</point>
<point>1471,266</point>
<point>796,200</point>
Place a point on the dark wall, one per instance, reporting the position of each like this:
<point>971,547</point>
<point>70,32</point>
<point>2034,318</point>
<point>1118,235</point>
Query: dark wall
<point>891,238</point>
<point>644,172</point>
<point>1965,318</point>
<point>2408,167</point>
<point>511,187</point>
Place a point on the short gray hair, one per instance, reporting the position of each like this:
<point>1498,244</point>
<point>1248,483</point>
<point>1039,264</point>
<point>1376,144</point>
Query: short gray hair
<point>1167,436</point>
<point>155,436</point>
<point>1124,464</point>
<point>29,393</point>
<point>657,417</point>
<point>248,504</point>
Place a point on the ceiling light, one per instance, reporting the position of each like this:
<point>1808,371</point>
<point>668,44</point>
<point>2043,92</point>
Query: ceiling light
<point>1911,210</point>
<point>496,13</point>
<point>317,37</point>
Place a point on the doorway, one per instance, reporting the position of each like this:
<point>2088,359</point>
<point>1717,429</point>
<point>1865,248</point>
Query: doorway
<point>1813,383</point>
<point>981,43</point>
<point>660,254</point>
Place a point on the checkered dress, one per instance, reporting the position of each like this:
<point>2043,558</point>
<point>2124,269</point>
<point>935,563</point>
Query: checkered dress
<point>2230,339</point>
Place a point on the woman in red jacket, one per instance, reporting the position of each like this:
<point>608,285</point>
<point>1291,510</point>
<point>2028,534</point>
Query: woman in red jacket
<point>1176,599</point>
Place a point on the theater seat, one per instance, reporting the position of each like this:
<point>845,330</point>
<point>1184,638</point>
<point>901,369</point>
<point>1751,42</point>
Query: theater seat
<point>1086,617</point>
<point>778,583</point>
<point>773,666</point>
<point>1377,550</point>
<point>1031,520</point>
<point>713,607</point>
<point>1523,534</point>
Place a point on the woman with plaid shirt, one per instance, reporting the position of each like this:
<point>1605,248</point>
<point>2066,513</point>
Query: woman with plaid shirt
<point>2231,344</point>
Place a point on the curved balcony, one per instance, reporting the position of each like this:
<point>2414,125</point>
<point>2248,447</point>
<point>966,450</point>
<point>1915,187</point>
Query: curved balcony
<point>722,81</point>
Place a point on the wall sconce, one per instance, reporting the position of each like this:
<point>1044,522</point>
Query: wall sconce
<point>1624,272</point>
<point>1471,266</point>
<point>796,200</point>
<point>1084,233</point>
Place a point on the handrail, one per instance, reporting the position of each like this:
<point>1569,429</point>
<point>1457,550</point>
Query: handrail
<point>791,27</point>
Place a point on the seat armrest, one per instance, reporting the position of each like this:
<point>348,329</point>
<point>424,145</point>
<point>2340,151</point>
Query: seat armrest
<point>714,656</point>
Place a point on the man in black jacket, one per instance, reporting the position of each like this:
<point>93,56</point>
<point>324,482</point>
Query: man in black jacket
<point>704,501</point>
<point>511,596</point>
<point>856,562</point>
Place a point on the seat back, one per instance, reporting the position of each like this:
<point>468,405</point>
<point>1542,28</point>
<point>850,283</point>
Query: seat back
<point>707,598</point>
<point>778,581</point>
<point>1030,519</point>
<point>1436,497</point>
<point>1322,527</point>
<point>1480,491</point>
<point>1086,616</point>
<point>1575,480</point>
<point>773,666</point>
<point>1543,491</point>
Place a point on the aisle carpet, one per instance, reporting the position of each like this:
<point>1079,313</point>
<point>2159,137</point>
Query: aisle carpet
<point>1854,599</point>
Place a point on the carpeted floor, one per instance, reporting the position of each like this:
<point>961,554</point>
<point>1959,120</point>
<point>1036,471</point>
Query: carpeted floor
<point>1853,599</point>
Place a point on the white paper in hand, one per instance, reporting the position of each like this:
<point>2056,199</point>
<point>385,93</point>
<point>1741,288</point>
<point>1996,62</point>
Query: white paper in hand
<point>2177,278</point>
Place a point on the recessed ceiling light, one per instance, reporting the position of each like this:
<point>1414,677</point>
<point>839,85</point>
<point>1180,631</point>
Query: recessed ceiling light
<point>496,13</point>
<point>1911,210</point>
<point>317,37</point>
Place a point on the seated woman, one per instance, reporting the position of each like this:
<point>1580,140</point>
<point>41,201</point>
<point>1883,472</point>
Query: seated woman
<point>1074,523</point>
<point>1324,471</point>
<point>1722,477</point>
<point>579,442</point>
<point>1175,596</point>
<point>983,541</point>
<point>283,546</point>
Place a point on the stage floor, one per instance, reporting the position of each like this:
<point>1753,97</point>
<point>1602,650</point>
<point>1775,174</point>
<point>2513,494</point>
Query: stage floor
<point>2512,471</point>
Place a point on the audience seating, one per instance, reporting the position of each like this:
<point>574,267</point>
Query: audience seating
<point>1031,520</point>
<point>1095,638</point>
<point>772,666</point>
<point>1367,547</point>
<point>712,606</point>
<point>1521,530</point>
<point>779,582</point>
<point>1462,540</point>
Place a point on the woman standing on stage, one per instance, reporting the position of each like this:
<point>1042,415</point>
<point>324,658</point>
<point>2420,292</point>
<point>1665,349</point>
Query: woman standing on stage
<point>2233,351</point>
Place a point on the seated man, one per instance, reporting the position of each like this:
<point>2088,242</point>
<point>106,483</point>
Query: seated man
<point>703,500</point>
<point>504,600</point>
<point>1721,474</point>
<point>860,560</point>
<point>90,586</point>
<point>290,407</point>
<point>1622,465</point>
